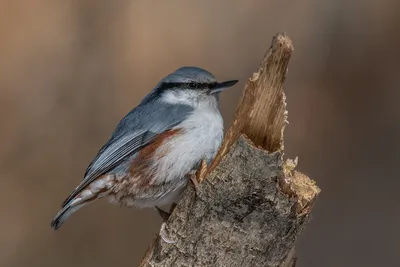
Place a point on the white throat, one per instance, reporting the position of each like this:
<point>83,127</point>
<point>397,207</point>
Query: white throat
<point>190,98</point>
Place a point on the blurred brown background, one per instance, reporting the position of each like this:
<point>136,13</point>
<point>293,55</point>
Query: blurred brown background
<point>69,70</point>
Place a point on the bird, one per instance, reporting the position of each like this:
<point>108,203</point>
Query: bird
<point>149,158</point>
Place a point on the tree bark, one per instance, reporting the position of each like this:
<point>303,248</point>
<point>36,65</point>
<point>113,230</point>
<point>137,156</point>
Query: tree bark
<point>250,205</point>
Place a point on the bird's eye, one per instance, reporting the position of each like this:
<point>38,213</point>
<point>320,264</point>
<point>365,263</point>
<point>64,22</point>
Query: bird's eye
<point>212,85</point>
<point>192,85</point>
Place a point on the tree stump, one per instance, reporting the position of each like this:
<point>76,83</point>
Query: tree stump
<point>250,205</point>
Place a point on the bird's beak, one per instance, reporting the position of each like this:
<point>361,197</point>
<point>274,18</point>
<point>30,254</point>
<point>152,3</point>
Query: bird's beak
<point>219,87</point>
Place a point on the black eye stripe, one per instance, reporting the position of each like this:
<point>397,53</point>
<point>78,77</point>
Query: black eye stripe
<point>190,85</point>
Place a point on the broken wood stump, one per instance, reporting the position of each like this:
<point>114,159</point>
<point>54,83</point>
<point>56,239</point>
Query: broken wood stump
<point>250,205</point>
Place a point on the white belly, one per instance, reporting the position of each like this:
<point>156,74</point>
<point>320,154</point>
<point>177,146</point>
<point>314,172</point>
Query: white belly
<point>199,139</point>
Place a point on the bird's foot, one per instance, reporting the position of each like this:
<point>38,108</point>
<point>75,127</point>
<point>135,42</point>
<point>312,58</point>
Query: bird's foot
<point>165,216</point>
<point>198,176</point>
<point>163,234</point>
<point>193,178</point>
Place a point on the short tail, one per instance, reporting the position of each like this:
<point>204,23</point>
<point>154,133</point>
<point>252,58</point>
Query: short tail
<point>65,212</point>
<point>68,208</point>
<point>75,201</point>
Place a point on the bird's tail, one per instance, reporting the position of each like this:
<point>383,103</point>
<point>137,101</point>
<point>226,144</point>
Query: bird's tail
<point>95,190</point>
<point>66,211</point>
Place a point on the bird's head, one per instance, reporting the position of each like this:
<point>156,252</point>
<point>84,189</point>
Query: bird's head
<point>191,85</point>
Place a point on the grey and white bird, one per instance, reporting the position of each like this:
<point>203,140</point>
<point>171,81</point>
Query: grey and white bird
<point>156,146</point>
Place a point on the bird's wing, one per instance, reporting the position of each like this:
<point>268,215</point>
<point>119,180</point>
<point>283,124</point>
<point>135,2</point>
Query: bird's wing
<point>134,131</point>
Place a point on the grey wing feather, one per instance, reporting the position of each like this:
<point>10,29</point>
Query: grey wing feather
<point>117,150</point>
<point>135,130</point>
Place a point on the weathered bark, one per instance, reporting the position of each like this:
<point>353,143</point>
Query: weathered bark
<point>251,205</point>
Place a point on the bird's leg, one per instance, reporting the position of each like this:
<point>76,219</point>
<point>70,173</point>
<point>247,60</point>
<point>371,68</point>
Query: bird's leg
<point>198,176</point>
<point>201,172</point>
<point>193,178</point>
<point>165,216</point>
